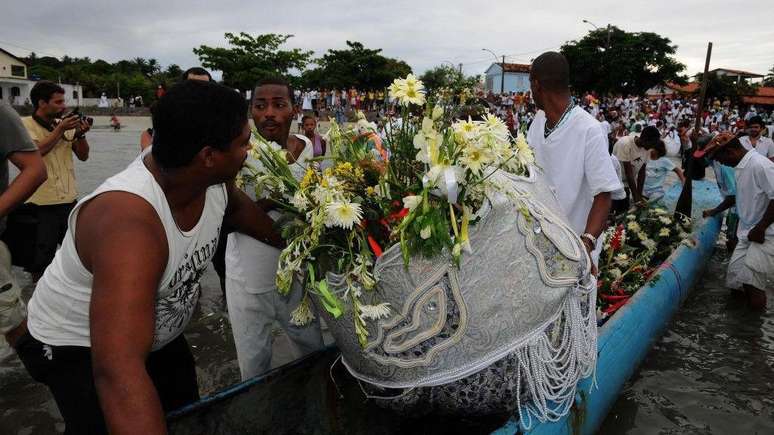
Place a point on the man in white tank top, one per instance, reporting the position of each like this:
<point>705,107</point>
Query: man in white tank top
<point>106,319</point>
<point>254,304</point>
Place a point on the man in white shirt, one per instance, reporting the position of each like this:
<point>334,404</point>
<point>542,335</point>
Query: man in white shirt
<point>754,140</point>
<point>254,305</point>
<point>572,148</point>
<point>632,151</point>
<point>752,263</point>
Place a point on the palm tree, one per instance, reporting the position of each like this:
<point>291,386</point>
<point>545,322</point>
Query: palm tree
<point>769,80</point>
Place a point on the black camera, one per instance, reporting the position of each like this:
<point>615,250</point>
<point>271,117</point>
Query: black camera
<point>81,116</point>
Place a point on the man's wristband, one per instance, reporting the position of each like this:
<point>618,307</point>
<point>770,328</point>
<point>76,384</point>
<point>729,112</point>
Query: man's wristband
<point>588,237</point>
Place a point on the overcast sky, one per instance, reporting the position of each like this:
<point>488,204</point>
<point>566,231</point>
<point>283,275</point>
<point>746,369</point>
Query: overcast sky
<point>423,33</point>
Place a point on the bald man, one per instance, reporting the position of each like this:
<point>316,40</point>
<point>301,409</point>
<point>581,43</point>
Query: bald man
<point>571,147</point>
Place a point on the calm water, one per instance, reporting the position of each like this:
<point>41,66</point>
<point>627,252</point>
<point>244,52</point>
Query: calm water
<point>712,372</point>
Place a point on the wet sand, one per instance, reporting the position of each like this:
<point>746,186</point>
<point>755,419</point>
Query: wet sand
<point>26,407</point>
<point>712,372</point>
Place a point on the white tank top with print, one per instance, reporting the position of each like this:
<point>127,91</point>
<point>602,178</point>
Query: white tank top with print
<point>59,308</point>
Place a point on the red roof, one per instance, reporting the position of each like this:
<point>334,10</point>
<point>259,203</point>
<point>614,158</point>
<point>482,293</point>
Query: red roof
<point>516,67</point>
<point>765,91</point>
<point>763,95</point>
<point>690,88</point>
<point>769,101</point>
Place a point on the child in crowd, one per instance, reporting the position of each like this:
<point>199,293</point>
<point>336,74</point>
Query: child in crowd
<point>656,171</point>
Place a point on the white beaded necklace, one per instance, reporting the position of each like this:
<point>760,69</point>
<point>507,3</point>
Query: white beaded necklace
<point>547,131</point>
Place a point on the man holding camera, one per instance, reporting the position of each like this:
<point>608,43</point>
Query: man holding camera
<point>58,137</point>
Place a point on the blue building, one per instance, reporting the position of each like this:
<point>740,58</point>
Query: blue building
<point>516,78</point>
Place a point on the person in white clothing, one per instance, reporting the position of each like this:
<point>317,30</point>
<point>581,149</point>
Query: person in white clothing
<point>106,319</point>
<point>254,304</point>
<point>633,152</point>
<point>752,264</point>
<point>572,148</point>
<point>754,140</point>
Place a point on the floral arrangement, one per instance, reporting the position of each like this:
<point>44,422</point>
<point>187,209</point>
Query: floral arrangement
<point>633,250</point>
<point>418,183</point>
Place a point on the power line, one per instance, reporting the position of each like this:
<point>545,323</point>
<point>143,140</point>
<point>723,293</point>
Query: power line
<point>28,49</point>
<point>540,50</point>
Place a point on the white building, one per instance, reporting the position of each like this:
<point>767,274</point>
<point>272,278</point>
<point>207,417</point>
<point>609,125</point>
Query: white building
<point>736,75</point>
<point>516,78</point>
<point>15,87</point>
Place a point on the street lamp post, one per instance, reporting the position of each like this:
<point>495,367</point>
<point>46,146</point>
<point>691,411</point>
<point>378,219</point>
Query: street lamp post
<point>502,70</point>
<point>607,45</point>
<point>603,58</point>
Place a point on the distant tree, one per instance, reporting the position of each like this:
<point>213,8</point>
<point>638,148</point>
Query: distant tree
<point>138,76</point>
<point>769,80</point>
<point>173,71</point>
<point>617,61</point>
<point>722,87</point>
<point>444,76</point>
<point>252,58</point>
<point>357,66</point>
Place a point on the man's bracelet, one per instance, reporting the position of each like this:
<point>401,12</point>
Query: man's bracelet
<point>589,237</point>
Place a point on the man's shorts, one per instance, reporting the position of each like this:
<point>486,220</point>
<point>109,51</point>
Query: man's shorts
<point>732,223</point>
<point>752,264</point>
<point>12,309</point>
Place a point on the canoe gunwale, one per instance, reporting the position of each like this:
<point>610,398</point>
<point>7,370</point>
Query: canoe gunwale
<point>648,312</point>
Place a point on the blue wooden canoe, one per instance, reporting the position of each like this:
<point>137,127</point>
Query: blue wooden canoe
<point>308,397</point>
<point>626,338</point>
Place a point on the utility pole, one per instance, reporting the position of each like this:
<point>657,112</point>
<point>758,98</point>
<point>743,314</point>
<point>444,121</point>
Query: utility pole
<point>685,201</point>
<point>460,66</point>
<point>502,77</point>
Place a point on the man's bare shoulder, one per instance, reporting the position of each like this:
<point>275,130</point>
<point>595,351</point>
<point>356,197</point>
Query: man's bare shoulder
<point>119,223</point>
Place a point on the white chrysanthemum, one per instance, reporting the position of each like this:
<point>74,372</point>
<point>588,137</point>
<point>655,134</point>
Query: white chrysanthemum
<point>476,159</point>
<point>622,259</point>
<point>466,129</point>
<point>649,244</point>
<point>414,95</point>
<point>343,214</point>
<point>374,312</point>
<point>426,232</point>
<point>665,220</point>
<point>616,273</point>
<point>664,232</point>
<point>495,125</point>
<point>412,201</point>
<point>412,80</point>
<point>408,91</point>
<point>660,211</point>
<point>524,152</point>
<point>633,226</point>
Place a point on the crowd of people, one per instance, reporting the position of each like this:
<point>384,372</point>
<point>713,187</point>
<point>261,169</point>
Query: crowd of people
<point>337,102</point>
<point>104,327</point>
